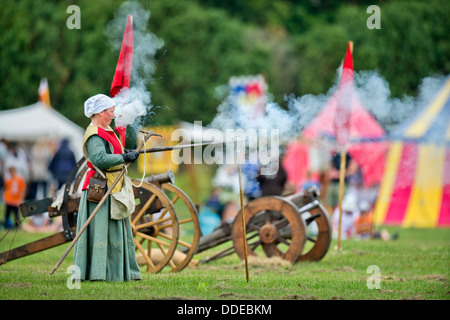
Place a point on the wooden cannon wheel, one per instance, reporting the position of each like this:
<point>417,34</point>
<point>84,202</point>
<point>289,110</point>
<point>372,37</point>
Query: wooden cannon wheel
<point>189,227</point>
<point>322,239</point>
<point>155,226</point>
<point>269,218</point>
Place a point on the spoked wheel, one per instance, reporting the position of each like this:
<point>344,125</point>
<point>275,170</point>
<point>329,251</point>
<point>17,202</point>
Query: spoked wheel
<point>318,234</point>
<point>272,224</point>
<point>189,227</point>
<point>155,227</point>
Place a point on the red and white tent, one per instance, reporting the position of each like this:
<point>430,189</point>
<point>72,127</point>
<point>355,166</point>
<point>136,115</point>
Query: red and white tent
<point>363,133</point>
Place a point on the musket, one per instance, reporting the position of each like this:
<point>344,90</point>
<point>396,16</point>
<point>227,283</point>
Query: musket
<point>180,146</point>
<point>147,135</point>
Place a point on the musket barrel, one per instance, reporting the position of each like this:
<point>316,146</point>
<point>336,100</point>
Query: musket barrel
<point>180,146</point>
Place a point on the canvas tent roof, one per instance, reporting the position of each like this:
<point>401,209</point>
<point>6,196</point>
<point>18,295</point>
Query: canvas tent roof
<point>366,134</point>
<point>36,121</point>
<point>415,190</point>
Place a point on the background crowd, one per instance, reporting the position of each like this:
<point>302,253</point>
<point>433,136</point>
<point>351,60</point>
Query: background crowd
<point>32,172</point>
<point>38,171</point>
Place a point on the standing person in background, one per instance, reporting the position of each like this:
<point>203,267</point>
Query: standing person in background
<point>18,158</point>
<point>3,155</point>
<point>15,188</point>
<point>226,182</point>
<point>40,175</point>
<point>364,223</point>
<point>333,174</point>
<point>62,163</point>
<point>41,156</point>
<point>350,213</point>
<point>273,185</point>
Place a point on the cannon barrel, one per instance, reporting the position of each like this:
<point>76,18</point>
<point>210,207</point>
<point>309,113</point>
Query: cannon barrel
<point>166,177</point>
<point>304,197</point>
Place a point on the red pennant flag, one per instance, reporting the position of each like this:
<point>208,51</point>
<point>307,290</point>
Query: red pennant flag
<point>123,69</point>
<point>344,99</point>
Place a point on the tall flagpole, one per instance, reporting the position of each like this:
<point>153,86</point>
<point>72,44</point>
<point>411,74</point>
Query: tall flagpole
<point>341,192</point>
<point>342,125</point>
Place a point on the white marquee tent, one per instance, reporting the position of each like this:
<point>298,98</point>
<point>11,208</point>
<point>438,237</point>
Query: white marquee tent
<point>38,121</point>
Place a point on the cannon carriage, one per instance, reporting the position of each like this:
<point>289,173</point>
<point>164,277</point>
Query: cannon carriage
<point>275,226</point>
<point>295,228</point>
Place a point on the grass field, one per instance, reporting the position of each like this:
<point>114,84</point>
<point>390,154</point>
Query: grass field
<point>414,266</point>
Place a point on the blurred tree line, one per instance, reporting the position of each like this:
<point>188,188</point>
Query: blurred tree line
<point>296,45</point>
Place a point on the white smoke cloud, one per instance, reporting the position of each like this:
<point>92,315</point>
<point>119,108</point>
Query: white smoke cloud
<point>371,88</point>
<point>275,117</point>
<point>375,94</point>
<point>132,105</point>
<point>135,105</point>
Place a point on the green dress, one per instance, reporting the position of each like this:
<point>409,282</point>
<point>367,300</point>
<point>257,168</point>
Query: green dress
<point>105,250</point>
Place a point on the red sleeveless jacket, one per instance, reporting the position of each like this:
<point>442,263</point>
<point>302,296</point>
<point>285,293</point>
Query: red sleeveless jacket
<point>109,136</point>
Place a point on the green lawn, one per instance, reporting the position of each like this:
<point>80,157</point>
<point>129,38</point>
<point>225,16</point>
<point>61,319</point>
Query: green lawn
<point>415,266</point>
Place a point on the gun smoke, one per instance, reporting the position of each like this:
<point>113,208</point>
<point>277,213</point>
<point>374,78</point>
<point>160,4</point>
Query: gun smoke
<point>290,120</point>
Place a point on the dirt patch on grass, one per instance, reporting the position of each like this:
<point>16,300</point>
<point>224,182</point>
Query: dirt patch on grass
<point>256,264</point>
<point>344,269</point>
<point>16,285</point>
<point>268,262</point>
<point>300,297</point>
<point>393,278</point>
<point>226,295</point>
<point>223,267</point>
<point>174,298</point>
<point>433,277</point>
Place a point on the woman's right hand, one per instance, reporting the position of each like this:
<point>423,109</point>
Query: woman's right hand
<point>130,155</point>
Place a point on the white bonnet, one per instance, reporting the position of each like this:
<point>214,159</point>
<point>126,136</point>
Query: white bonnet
<point>97,104</point>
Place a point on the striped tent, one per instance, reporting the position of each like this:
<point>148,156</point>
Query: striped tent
<point>415,189</point>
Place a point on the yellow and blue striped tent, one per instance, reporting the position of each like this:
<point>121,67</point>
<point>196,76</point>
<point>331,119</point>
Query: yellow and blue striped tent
<point>415,189</point>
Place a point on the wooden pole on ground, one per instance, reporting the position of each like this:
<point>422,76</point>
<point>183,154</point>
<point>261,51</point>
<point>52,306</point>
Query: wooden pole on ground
<point>244,232</point>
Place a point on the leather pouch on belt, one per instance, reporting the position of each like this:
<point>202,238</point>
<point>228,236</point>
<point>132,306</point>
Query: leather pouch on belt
<point>97,188</point>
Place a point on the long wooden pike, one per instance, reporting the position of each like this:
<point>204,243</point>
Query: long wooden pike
<point>147,135</point>
<point>244,232</point>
